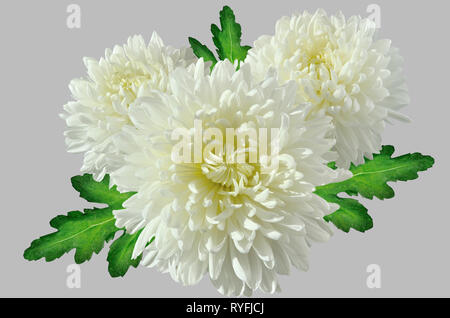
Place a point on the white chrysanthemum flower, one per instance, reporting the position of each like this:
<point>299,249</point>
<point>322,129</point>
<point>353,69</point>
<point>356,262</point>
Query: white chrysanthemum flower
<point>101,102</point>
<point>343,71</point>
<point>241,223</point>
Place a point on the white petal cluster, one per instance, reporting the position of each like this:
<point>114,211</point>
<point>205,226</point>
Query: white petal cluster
<point>101,102</point>
<point>342,70</point>
<point>240,224</point>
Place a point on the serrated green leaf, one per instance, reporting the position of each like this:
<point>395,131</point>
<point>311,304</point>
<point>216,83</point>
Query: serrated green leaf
<point>99,192</point>
<point>120,252</point>
<point>86,232</point>
<point>351,213</point>
<point>228,38</point>
<point>370,180</point>
<point>202,51</point>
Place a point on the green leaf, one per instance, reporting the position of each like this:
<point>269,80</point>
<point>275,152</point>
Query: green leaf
<point>86,232</point>
<point>351,213</point>
<point>228,39</point>
<point>202,51</point>
<point>370,180</point>
<point>99,192</point>
<point>120,252</point>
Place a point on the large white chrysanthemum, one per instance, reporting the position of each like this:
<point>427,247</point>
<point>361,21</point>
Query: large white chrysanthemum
<point>240,223</point>
<point>342,70</point>
<point>101,102</point>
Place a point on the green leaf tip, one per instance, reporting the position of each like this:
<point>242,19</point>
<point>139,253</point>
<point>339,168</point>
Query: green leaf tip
<point>99,191</point>
<point>227,40</point>
<point>202,51</point>
<point>120,252</point>
<point>370,180</point>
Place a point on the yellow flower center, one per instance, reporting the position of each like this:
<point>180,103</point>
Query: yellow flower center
<point>126,84</point>
<point>228,174</point>
<point>229,169</point>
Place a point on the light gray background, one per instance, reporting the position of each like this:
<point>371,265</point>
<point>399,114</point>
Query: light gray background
<point>39,56</point>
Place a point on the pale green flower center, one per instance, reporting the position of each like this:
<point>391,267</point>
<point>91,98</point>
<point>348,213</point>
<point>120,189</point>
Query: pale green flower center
<point>227,174</point>
<point>126,85</point>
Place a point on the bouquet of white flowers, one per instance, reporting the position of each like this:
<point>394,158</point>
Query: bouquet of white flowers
<point>231,166</point>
